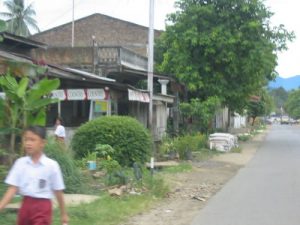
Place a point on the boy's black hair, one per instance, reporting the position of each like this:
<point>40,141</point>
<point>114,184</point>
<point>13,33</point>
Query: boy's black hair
<point>38,130</point>
<point>60,119</point>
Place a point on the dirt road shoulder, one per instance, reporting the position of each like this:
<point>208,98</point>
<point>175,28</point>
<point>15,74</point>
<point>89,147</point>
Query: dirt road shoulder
<point>190,191</point>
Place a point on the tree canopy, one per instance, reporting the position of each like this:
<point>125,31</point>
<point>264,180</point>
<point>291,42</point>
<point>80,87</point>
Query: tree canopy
<point>19,18</point>
<point>292,105</point>
<point>261,106</point>
<point>201,112</point>
<point>223,48</point>
<point>280,96</point>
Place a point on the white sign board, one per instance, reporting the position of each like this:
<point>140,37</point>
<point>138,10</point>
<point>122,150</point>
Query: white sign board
<point>139,96</point>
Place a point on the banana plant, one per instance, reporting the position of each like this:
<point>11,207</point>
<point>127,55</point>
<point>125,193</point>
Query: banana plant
<point>23,104</point>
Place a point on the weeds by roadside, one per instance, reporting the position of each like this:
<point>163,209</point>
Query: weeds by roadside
<point>182,167</point>
<point>236,150</point>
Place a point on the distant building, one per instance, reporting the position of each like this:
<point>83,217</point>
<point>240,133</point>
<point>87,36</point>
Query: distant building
<point>101,29</point>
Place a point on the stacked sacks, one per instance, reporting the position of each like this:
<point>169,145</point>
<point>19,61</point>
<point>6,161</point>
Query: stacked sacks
<point>223,142</point>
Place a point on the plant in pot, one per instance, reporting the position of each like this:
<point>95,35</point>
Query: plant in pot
<point>91,160</point>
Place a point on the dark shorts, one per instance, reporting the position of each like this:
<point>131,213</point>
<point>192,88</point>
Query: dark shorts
<point>35,211</point>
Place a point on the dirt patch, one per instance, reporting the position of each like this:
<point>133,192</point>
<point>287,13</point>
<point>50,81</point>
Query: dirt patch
<point>190,191</point>
<point>77,199</point>
<point>70,200</point>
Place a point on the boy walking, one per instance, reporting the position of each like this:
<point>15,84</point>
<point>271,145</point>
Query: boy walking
<point>37,178</point>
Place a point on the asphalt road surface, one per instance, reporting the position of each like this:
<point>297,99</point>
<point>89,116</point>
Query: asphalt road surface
<point>266,191</point>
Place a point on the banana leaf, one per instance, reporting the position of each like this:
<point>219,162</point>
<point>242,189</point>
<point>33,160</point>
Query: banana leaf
<point>22,87</point>
<point>42,88</point>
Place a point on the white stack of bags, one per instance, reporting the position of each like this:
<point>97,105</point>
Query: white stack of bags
<point>222,142</point>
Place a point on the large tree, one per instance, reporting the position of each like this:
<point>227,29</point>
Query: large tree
<point>223,48</point>
<point>19,18</point>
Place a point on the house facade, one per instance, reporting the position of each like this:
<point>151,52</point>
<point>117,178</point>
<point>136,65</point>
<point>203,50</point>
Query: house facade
<point>100,75</point>
<point>84,96</point>
<point>114,49</point>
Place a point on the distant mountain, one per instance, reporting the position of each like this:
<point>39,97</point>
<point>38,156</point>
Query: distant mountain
<point>287,83</point>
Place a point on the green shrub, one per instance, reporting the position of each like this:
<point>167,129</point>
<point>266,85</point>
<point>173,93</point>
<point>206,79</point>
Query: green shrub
<point>201,140</point>
<point>189,143</point>
<point>129,139</point>
<point>114,172</point>
<point>244,137</point>
<point>71,174</point>
<point>104,151</point>
<point>167,145</point>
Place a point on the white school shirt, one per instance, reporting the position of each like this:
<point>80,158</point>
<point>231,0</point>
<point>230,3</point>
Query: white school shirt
<point>36,180</point>
<point>60,131</point>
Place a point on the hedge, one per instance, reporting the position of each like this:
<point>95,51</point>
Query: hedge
<point>129,138</point>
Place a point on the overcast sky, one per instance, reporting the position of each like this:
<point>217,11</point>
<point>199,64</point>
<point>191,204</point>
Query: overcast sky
<point>51,13</point>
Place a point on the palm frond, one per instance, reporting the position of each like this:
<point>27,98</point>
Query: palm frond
<point>6,15</point>
<point>21,18</point>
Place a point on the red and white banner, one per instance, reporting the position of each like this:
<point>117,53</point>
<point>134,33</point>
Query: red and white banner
<point>76,94</point>
<point>139,96</point>
<point>95,94</point>
<point>80,94</point>
<point>60,94</point>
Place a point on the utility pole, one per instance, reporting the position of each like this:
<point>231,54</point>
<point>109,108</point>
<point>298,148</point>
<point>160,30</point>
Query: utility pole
<point>150,62</point>
<point>93,58</point>
<point>73,25</point>
<point>150,74</point>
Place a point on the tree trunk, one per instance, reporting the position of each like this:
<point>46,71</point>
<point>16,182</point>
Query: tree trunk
<point>253,120</point>
<point>176,115</point>
<point>229,120</point>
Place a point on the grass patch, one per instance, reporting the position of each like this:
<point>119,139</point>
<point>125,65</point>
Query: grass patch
<point>8,217</point>
<point>205,154</point>
<point>182,167</point>
<point>244,138</point>
<point>107,210</point>
<point>236,150</point>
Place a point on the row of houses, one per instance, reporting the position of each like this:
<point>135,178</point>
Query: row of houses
<point>104,73</point>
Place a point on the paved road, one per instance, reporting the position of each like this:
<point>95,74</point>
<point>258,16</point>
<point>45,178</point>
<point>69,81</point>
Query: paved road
<point>266,191</point>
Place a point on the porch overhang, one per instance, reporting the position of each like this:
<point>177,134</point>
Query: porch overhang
<point>164,98</point>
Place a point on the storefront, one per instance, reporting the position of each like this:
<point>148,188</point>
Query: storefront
<point>77,106</point>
